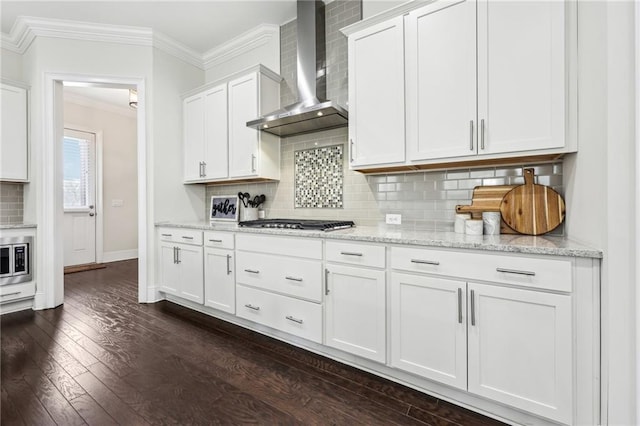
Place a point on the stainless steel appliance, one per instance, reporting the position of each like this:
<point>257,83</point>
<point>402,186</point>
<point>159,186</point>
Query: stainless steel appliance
<point>308,224</point>
<point>15,260</point>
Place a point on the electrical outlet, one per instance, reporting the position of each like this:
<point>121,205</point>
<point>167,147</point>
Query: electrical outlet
<point>394,219</point>
<point>117,203</point>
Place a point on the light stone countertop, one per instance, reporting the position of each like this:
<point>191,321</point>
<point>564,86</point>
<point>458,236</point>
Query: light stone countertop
<point>542,245</point>
<point>18,225</point>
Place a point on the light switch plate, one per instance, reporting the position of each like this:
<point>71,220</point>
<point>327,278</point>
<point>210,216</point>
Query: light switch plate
<point>117,203</point>
<point>394,219</point>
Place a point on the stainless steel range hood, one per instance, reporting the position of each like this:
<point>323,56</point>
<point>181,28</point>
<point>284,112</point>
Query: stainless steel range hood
<point>312,112</point>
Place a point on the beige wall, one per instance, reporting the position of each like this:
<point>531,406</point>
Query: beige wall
<point>11,65</point>
<point>119,162</point>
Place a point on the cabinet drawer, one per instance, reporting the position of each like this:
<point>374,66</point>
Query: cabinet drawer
<point>222,240</point>
<point>291,277</point>
<point>286,246</point>
<point>178,235</point>
<point>542,273</point>
<point>294,316</point>
<point>17,291</point>
<point>356,254</point>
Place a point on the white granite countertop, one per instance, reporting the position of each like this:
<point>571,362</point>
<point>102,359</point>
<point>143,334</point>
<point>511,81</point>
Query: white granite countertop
<point>544,245</point>
<point>18,225</point>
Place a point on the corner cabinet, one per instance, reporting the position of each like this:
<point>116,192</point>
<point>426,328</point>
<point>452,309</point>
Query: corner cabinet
<point>483,80</point>
<point>218,145</point>
<point>14,142</point>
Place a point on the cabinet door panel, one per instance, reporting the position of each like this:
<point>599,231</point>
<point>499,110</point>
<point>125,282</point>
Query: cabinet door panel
<point>520,349</point>
<point>521,73</point>
<point>243,141</point>
<point>169,274</point>
<point>191,273</point>
<point>428,326</point>
<point>441,80</point>
<point>376,94</point>
<point>219,280</point>
<point>14,143</point>
<point>216,149</point>
<point>194,138</point>
<point>355,311</point>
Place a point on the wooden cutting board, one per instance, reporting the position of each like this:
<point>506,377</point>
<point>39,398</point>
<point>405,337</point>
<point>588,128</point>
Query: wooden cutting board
<point>487,199</point>
<point>532,209</point>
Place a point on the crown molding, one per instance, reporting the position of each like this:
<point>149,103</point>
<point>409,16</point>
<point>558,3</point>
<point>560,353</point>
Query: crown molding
<point>86,101</point>
<point>244,43</point>
<point>177,49</point>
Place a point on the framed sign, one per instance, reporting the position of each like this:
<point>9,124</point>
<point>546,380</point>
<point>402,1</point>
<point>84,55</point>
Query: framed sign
<point>224,208</point>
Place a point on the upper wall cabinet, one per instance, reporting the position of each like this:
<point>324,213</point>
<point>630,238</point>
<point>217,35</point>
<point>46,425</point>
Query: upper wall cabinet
<point>218,145</point>
<point>483,80</point>
<point>14,145</point>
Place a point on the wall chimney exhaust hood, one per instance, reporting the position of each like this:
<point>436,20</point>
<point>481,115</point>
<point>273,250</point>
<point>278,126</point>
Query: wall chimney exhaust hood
<point>312,112</point>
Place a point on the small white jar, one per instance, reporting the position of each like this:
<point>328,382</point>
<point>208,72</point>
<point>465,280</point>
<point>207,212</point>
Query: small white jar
<point>491,223</point>
<point>458,225</point>
<point>473,227</point>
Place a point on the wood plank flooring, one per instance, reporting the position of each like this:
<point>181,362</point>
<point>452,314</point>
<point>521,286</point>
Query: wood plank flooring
<point>103,359</point>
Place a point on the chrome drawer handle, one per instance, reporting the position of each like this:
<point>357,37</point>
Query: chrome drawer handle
<point>187,238</point>
<point>350,253</point>
<point>10,294</point>
<point>216,241</point>
<point>250,306</point>
<point>296,320</point>
<point>425,262</point>
<point>166,235</point>
<point>252,271</point>
<point>294,279</point>
<point>515,271</point>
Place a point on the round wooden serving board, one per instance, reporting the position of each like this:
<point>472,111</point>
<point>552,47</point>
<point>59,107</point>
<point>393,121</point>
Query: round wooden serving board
<point>532,209</point>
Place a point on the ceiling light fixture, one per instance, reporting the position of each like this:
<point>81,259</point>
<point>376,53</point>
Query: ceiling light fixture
<point>133,98</point>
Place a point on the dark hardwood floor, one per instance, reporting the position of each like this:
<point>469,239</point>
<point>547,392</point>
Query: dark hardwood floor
<point>102,359</point>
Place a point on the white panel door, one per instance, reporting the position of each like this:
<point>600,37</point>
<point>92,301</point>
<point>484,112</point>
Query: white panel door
<point>376,94</point>
<point>355,311</point>
<point>191,269</point>
<point>428,328</point>
<point>79,189</point>
<point>243,140</point>
<point>520,349</point>
<point>169,272</point>
<point>194,137</point>
<point>14,140</point>
<point>521,75</point>
<point>441,80</point>
<point>219,280</point>
<point>216,148</point>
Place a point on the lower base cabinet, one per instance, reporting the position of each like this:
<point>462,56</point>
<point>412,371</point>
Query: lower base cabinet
<point>219,280</point>
<point>181,271</point>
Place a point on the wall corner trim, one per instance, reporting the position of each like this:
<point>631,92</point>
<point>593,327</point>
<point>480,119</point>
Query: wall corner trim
<point>245,42</point>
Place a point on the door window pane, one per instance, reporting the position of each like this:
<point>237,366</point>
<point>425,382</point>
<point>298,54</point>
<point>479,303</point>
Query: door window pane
<point>76,173</point>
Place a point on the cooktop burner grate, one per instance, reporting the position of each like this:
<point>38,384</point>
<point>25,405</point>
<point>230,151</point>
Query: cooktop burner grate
<point>309,224</point>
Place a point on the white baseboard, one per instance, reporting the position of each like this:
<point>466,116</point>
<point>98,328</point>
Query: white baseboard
<point>115,256</point>
<point>19,305</point>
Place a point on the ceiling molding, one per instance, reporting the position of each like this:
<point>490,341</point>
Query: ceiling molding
<point>85,101</point>
<point>177,49</point>
<point>244,43</point>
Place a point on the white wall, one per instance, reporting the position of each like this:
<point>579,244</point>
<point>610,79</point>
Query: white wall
<point>373,7</point>
<point>120,171</point>
<point>11,65</point>
<point>599,183</point>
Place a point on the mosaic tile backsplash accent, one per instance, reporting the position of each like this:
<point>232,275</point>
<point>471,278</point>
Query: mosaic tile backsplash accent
<point>319,177</point>
<point>11,203</point>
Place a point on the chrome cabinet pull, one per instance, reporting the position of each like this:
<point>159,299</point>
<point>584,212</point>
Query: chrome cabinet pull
<point>473,307</point>
<point>517,272</point>
<point>15,293</point>
<point>326,281</point>
<point>252,271</point>
<point>166,235</point>
<point>459,305</point>
<point>200,169</point>
<point>178,255</point>
<point>250,306</point>
<point>351,150</point>
<point>482,134</point>
<point>425,262</point>
<point>187,238</point>
<point>296,320</point>
<point>216,241</point>
<point>253,163</point>
<point>350,253</point>
<point>228,264</point>
<point>204,169</point>
<point>293,279</point>
<point>471,135</point>
<point>175,256</point>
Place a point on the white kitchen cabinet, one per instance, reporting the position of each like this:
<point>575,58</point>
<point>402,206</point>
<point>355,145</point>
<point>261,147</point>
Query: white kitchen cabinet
<point>376,94</point>
<point>429,327</point>
<point>14,142</point>
<point>218,145</point>
<point>219,279</point>
<point>181,264</point>
<point>355,311</point>
<point>205,135</point>
<point>520,349</point>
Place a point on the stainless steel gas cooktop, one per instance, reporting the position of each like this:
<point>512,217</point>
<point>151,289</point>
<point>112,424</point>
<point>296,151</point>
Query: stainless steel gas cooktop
<point>317,225</point>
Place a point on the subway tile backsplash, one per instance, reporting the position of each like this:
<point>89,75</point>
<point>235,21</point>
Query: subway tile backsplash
<point>11,203</point>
